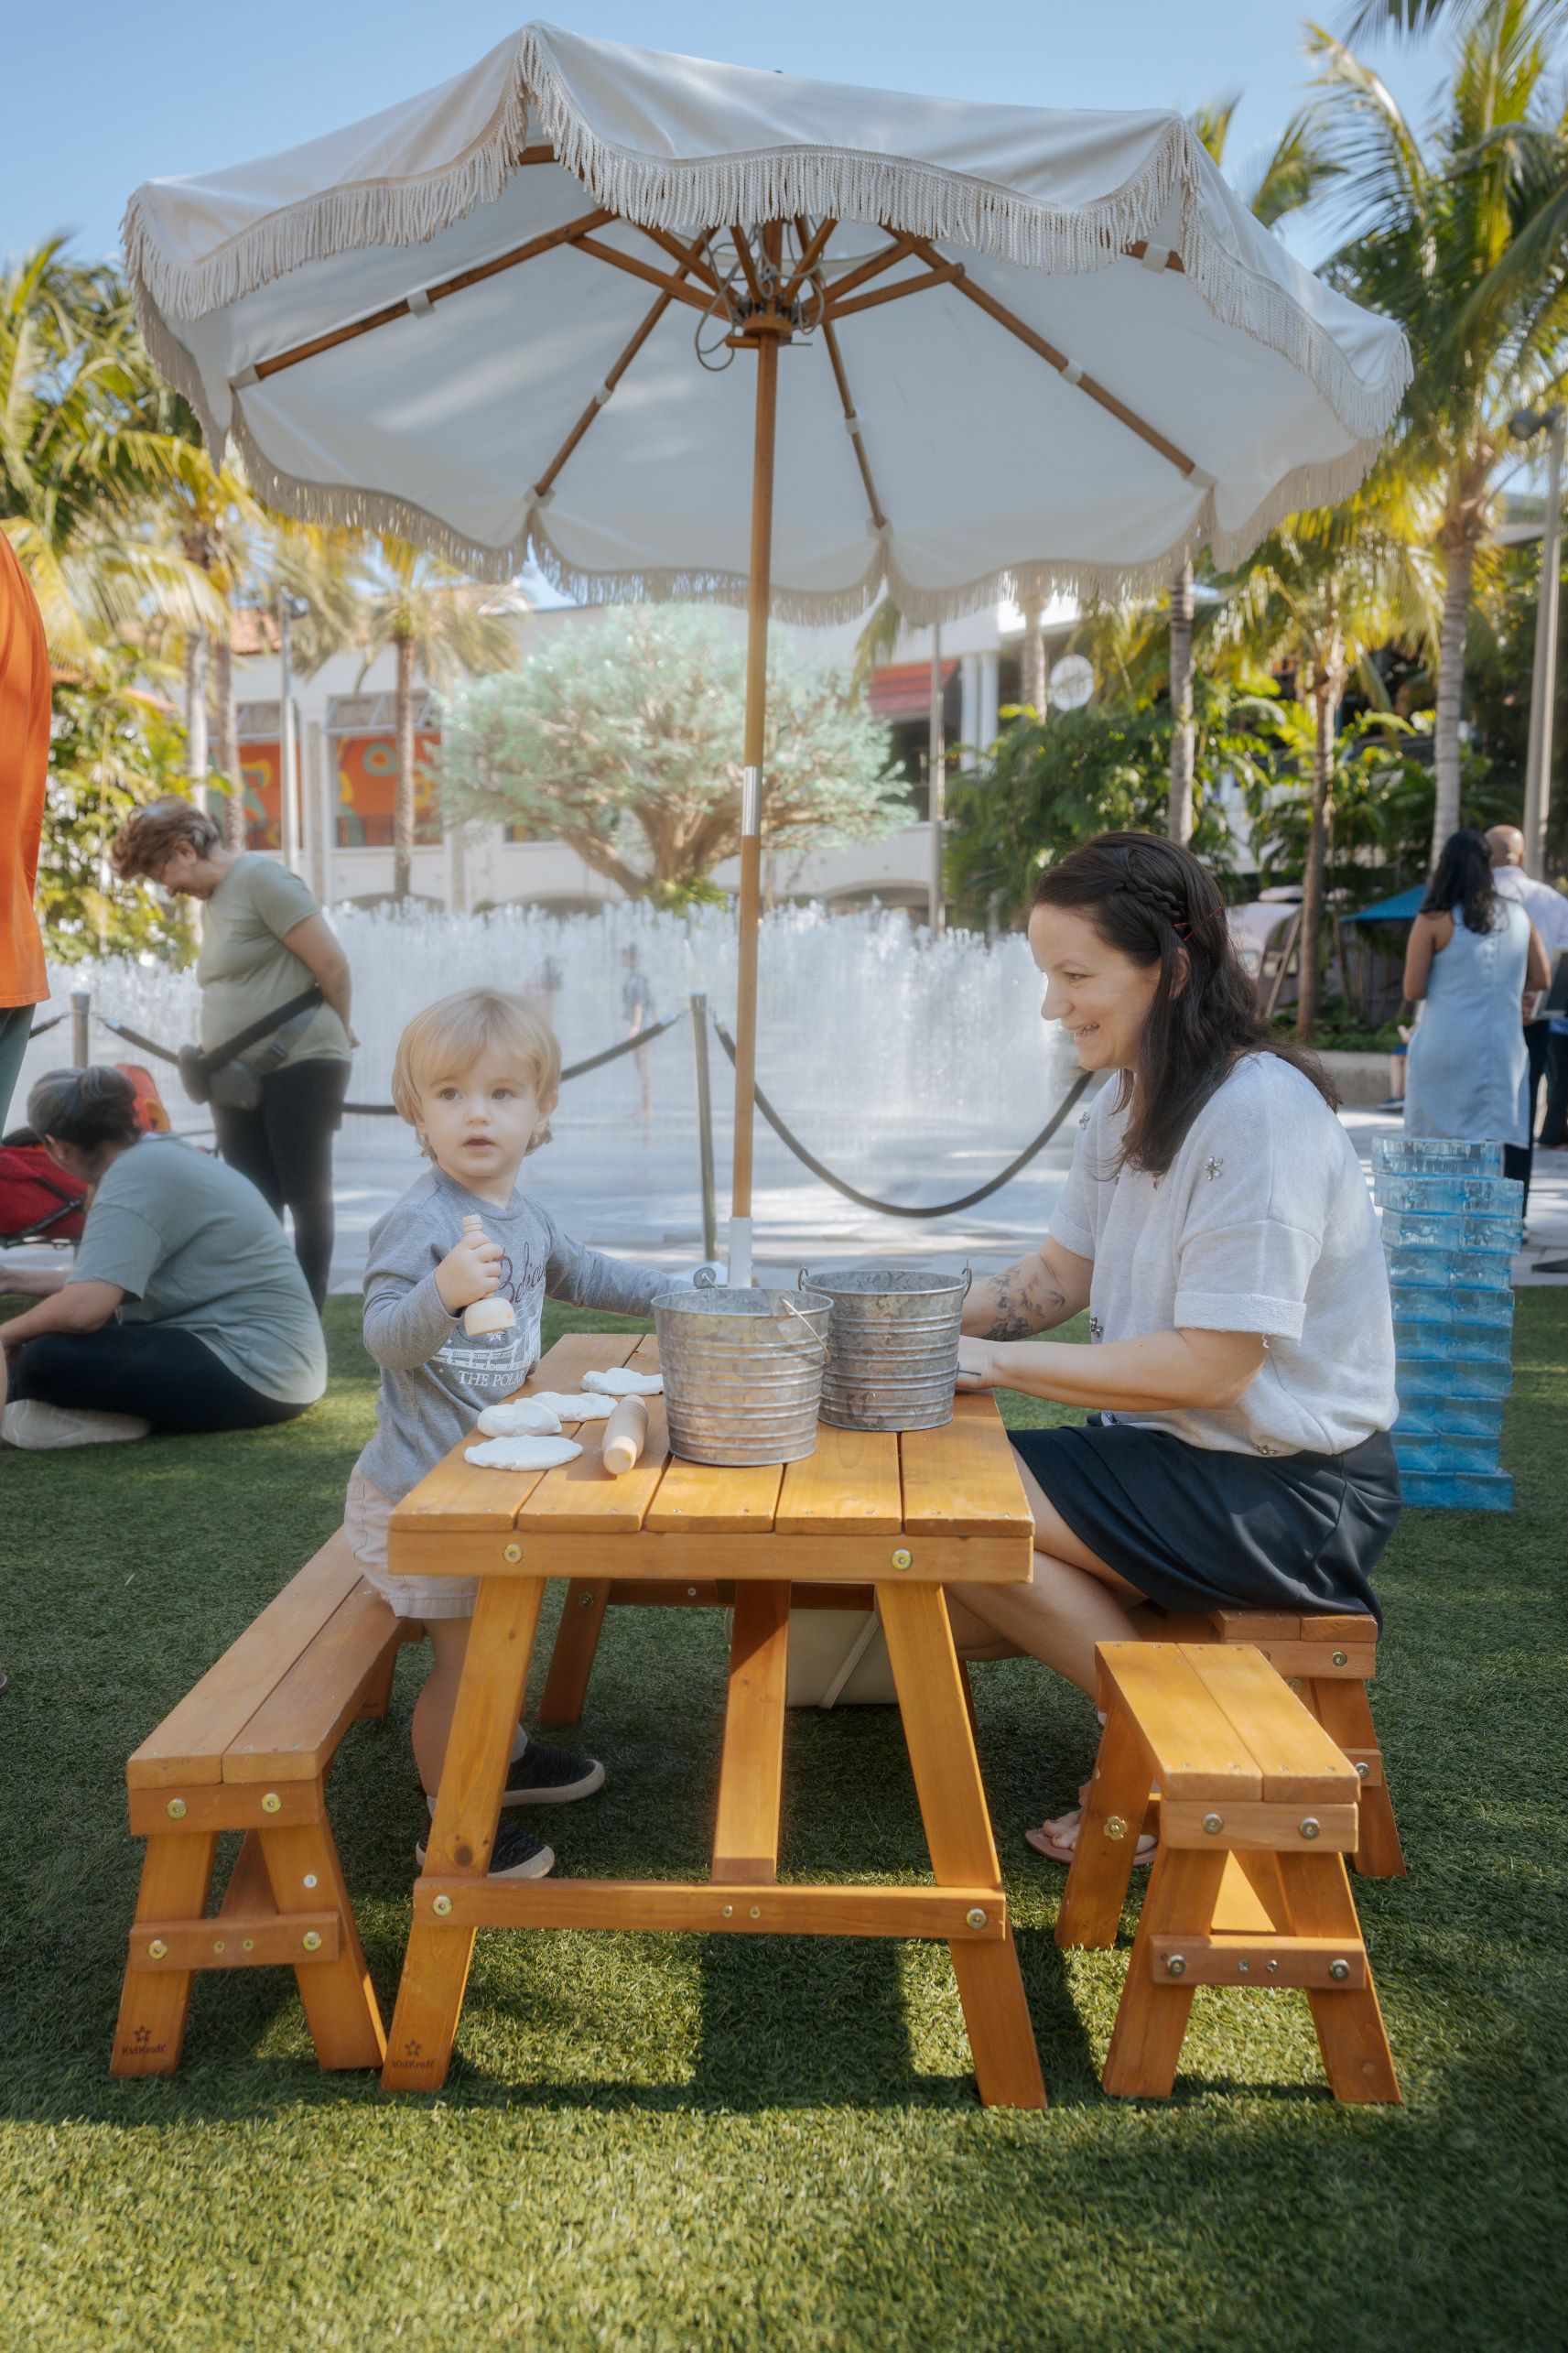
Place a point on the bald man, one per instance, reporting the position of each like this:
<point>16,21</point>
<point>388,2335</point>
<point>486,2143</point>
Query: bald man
<point>1548,1049</point>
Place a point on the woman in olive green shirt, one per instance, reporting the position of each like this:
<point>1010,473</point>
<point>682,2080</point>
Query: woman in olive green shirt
<point>264,941</point>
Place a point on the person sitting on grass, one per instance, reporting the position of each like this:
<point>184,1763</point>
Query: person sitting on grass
<point>476,1075</point>
<point>185,1309</point>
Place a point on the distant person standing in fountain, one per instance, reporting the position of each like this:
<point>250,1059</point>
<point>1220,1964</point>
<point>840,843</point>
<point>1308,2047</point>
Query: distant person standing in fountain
<point>277,1108</point>
<point>1474,954</point>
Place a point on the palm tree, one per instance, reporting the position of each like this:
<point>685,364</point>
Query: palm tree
<point>1321,596</point>
<point>1293,175</point>
<point>1462,236</point>
<point>86,458</point>
<point>434,621</point>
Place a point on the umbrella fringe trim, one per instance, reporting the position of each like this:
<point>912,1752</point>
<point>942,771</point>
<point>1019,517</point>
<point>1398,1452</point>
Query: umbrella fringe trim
<point>692,194</point>
<point>382,512</point>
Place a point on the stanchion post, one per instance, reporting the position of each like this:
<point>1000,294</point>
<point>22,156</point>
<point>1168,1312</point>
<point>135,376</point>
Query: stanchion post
<point>81,1015</point>
<point>705,1126</point>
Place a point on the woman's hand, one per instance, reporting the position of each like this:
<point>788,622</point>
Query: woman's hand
<point>469,1270</point>
<point>978,1364</point>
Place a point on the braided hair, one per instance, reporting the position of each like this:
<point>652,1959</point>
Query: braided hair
<point>1151,900</point>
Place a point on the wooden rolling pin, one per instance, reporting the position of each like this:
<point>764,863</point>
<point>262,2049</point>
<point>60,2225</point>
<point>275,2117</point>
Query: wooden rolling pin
<point>492,1315</point>
<point>625,1436</point>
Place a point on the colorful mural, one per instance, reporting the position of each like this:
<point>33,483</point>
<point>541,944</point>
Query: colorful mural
<point>260,766</point>
<point>367,790</point>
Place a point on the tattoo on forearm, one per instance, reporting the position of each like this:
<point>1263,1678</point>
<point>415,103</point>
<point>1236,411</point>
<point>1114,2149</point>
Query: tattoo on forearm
<point>1025,1300</point>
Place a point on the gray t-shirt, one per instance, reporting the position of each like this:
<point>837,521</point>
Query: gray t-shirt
<point>1262,1223</point>
<point>193,1245</point>
<point>435,1380</point>
<point>245,971</point>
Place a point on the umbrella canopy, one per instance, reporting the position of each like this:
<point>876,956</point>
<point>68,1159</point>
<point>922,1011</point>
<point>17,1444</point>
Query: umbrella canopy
<point>1403,908</point>
<point>996,351</point>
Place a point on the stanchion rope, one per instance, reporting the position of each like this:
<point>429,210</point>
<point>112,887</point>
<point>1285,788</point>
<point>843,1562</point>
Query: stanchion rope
<point>898,1208</point>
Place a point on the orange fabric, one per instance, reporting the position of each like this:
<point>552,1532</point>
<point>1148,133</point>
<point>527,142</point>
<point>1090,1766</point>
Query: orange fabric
<point>24,764</point>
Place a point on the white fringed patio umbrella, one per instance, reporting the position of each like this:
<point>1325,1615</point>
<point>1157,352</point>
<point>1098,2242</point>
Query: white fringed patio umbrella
<point>986,351</point>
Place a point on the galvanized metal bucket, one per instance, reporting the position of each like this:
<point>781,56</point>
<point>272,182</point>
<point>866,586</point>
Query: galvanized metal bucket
<point>742,1371</point>
<point>893,1346</point>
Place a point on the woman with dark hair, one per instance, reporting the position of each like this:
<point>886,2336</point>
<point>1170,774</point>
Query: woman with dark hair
<point>1216,1225</point>
<point>264,941</point>
<point>185,1309</point>
<point>1471,955</point>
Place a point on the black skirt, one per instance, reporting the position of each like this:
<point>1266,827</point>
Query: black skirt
<point>1191,1528</point>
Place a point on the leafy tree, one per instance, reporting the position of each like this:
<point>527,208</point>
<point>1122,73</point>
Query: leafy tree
<point>437,622</point>
<point>1320,597</point>
<point>1058,782</point>
<point>624,740</point>
<point>116,744</point>
<point>1462,236</point>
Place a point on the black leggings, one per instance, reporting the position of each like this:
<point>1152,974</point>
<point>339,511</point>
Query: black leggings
<point>284,1148</point>
<point>167,1376</point>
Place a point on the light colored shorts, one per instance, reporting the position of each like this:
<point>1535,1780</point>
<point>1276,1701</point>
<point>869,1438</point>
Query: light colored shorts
<point>366,1511</point>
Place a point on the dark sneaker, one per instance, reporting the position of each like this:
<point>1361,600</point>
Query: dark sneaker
<point>546,1776</point>
<point>517,1853</point>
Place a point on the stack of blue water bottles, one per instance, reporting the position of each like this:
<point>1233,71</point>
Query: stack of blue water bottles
<point>1451,1222</point>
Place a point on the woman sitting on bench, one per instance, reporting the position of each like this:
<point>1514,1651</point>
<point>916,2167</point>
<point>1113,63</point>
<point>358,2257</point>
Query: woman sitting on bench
<point>1218,1227</point>
<point>185,1309</point>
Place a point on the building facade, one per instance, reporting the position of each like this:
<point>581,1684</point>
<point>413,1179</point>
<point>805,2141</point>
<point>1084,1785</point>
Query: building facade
<point>338,834</point>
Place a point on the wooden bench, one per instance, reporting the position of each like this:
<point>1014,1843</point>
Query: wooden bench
<point>249,1748</point>
<point>1256,1811</point>
<point>1329,1661</point>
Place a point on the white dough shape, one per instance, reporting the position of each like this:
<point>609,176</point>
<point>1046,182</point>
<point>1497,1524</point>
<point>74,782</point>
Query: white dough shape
<point>621,1381</point>
<point>574,1408</point>
<point>520,1418</point>
<point>522,1454</point>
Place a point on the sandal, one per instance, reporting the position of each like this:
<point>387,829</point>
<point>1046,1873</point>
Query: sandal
<point>1057,1840</point>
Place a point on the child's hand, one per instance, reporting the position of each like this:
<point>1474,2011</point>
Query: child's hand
<point>469,1270</point>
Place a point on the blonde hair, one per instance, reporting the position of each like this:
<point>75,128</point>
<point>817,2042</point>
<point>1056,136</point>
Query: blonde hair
<point>450,1036</point>
<point>151,835</point>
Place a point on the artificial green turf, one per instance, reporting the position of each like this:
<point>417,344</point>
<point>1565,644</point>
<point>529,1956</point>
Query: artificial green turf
<point>678,2142</point>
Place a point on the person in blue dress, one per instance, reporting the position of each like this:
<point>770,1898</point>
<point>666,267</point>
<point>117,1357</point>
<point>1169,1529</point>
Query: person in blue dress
<point>1473,956</point>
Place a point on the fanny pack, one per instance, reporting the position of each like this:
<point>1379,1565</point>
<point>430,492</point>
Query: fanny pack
<point>219,1077</point>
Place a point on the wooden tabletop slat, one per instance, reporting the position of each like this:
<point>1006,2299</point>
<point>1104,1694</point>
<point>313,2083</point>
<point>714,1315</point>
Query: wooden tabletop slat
<point>853,1476</point>
<point>458,1494</point>
<point>962,1480</point>
<point>714,1499</point>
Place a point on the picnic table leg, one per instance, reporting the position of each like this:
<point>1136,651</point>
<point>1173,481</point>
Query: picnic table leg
<point>1350,2030</point>
<point>1102,1867</point>
<point>154,2003</point>
<point>467,1807</point>
<point>339,2001</point>
<point>575,1644</point>
<point>959,1834</point>
<point>1151,2017</point>
<point>750,1771</point>
<point>1346,1714</point>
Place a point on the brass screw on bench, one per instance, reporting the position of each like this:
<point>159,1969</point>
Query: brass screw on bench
<point>272,1803</point>
<point>727,1912</point>
<point>512,1552</point>
<point>443,1904</point>
<point>1310,1827</point>
<point>1340,1659</point>
<point>1175,1966</point>
<point>975,1918</point>
<point>176,1809</point>
<point>1213,1824</point>
<point>311,1941</point>
<point>1339,1972</point>
<point>903,1559</point>
<point>1115,1828</point>
<point>157,1948</point>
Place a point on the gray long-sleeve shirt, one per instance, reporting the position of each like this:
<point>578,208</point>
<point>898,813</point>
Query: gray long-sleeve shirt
<point>435,1380</point>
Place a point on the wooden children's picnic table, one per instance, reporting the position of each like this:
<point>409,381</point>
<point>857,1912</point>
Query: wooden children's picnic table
<point>902,1515</point>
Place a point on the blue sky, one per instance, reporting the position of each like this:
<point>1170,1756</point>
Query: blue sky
<point>113,100</point>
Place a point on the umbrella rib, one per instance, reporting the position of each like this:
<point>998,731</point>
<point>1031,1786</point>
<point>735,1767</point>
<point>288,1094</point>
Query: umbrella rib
<point>898,251</point>
<point>879,519</point>
<point>944,275</point>
<point>569,232</point>
<point>612,377</point>
<point>811,249</point>
<point>1089,385</point>
<point>635,268</point>
<point>688,256</point>
<point>743,252</point>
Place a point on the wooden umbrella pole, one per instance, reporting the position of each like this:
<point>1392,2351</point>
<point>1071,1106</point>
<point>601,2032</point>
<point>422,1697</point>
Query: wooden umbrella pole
<point>759,586</point>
